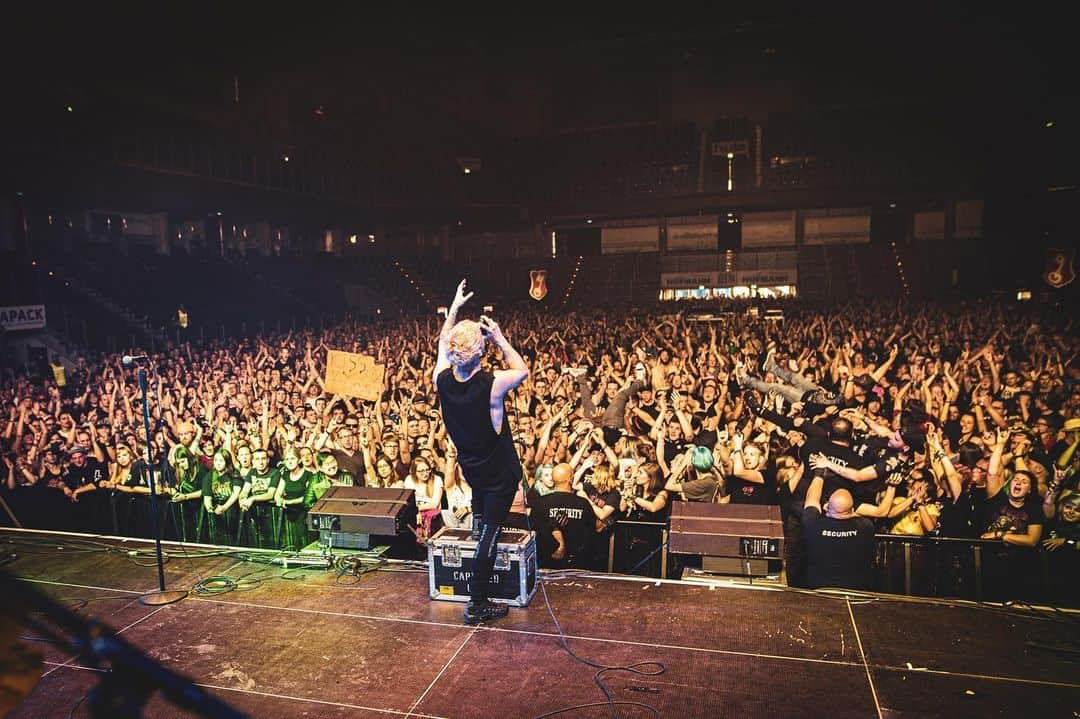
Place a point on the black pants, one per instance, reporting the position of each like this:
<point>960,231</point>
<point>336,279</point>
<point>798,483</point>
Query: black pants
<point>794,550</point>
<point>492,508</point>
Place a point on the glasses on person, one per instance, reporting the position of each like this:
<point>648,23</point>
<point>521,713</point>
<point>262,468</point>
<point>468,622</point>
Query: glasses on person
<point>423,470</point>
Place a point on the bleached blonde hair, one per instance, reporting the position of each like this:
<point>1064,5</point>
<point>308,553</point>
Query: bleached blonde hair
<point>464,343</point>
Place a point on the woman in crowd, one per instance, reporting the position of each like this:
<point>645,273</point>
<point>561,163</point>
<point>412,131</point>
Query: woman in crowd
<point>458,512</point>
<point>601,491</point>
<point>120,493</point>
<point>289,498</point>
<point>645,503</point>
<point>220,492</point>
<point>186,495</point>
<point>427,488</point>
<point>308,460</point>
<point>918,513</point>
<point>382,473</point>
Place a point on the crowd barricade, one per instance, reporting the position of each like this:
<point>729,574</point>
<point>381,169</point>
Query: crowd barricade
<point>638,548</point>
<point>939,567</point>
<point>976,569</point>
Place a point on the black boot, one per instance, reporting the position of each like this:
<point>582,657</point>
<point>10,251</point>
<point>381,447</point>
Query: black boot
<point>484,610</point>
<point>475,534</point>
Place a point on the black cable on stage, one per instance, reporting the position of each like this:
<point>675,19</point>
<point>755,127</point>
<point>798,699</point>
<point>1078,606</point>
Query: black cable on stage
<point>635,668</point>
<point>80,700</point>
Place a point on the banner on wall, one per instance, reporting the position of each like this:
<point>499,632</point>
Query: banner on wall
<point>836,226</point>
<point>621,240</point>
<point>968,220</point>
<point>692,234</point>
<point>930,225</point>
<point>138,225</point>
<point>687,280</point>
<point>768,229</point>
<point>736,278</point>
<point>22,317</point>
<point>538,284</point>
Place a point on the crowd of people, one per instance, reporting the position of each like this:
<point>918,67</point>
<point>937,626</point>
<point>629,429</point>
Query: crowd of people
<point>939,420</point>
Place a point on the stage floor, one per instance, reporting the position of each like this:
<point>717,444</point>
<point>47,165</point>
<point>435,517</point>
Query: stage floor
<point>312,647</point>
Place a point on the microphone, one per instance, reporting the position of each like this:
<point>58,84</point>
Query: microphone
<point>129,360</point>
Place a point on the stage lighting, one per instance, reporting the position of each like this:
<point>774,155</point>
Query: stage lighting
<point>352,239</point>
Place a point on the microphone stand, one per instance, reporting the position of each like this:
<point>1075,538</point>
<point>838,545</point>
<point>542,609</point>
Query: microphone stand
<point>160,597</point>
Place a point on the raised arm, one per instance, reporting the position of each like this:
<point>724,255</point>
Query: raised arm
<point>995,473</point>
<point>505,379</point>
<point>821,462</point>
<point>442,362</point>
<point>737,467</point>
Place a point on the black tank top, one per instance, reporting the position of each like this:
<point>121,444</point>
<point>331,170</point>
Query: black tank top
<point>487,458</point>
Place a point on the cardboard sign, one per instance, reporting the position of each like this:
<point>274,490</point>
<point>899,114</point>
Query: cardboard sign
<point>354,375</point>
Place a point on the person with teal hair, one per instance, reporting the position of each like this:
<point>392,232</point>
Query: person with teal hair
<point>701,458</point>
<point>695,477</point>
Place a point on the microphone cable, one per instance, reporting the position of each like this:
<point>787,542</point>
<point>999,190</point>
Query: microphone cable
<point>642,668</point>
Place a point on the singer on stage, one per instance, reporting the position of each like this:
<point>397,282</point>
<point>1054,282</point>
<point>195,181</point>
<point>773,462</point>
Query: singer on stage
<point>472,409</point>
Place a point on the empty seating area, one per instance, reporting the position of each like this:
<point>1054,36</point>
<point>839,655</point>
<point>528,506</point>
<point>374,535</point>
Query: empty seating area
<point>615,164</point>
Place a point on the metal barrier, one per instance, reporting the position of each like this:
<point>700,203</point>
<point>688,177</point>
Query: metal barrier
<point>976,569</point>
<point>625,528</point>
<point>941,567</point>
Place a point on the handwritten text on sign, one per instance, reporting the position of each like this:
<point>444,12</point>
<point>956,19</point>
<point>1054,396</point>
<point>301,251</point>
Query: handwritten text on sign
<point>354,375</point>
